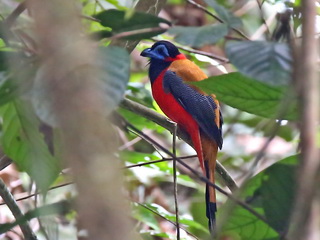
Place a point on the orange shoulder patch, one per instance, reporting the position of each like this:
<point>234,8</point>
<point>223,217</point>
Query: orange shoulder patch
<point>187,70</point>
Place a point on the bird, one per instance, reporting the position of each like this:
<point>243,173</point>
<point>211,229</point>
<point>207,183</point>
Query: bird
<point>194,111</point>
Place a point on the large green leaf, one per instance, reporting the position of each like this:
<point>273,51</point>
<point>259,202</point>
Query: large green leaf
<point>120,21</point>
<point>249,95</point>
<point>24,144</point>
<point>277,193</point>
<point>270,193</point>
<point>268,62</point>
<point>199,36</point>
<point>112,70</point>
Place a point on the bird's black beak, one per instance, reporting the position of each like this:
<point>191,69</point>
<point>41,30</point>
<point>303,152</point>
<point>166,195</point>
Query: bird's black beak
<point>146,53</point>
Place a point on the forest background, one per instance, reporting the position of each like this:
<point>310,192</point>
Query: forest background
<point>79,161</point>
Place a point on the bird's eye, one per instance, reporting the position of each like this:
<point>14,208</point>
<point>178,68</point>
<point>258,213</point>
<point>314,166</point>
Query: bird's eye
<point>161,52</point>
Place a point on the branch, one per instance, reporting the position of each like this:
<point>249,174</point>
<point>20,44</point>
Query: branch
<point>138,31</point>
<point>10,20</point>
<point>304,222</point>
<point>210,55</point>
<point>164,122</point>
<point>16,212</point>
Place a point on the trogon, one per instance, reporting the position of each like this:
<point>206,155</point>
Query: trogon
<point>194,111</point>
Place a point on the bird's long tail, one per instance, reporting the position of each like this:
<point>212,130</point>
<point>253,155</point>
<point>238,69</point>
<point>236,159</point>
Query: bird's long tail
<point>210,150</point>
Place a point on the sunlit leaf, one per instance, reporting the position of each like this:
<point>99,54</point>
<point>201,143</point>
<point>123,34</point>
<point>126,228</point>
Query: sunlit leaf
<point>268,62</point>
<point>250,95</point>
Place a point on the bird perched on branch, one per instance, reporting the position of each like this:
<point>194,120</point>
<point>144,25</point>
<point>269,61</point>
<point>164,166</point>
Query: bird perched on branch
<point>194,111</point>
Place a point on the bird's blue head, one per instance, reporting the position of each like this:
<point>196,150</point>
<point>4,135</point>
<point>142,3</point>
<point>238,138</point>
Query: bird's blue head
<point>163,51</point>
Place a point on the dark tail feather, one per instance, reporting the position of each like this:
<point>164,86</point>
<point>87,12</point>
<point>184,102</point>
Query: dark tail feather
<point>211,206</point>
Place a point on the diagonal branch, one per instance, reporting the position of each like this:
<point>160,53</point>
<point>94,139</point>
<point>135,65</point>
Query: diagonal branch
<point>217,18</point>
<point>16,212</point>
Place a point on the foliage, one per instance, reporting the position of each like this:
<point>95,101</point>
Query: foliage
<point>253,100</point>
<point>249,95</point>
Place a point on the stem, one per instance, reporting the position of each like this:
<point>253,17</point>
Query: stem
<point>303,221</point>
<point>16,212</point>
<point>175,185</point>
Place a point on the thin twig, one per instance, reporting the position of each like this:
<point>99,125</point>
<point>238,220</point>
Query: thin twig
<point>157,161</point>
<point>210,55</point>
<point>175,185</point>
<point>217,18</point>
<point>139,31</point>
<point>164,122</point>
<point>262,17</point>
<point>16,212</point>
<point>37,193</point>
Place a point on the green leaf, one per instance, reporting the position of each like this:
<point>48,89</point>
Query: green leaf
<point>112,70</point>
<point>271,193</point>
<point>198,211</point>
<point>138,121</point>
<point>114,63</point>
<point>249,95</point>
<point>199,36</point>
<point>8,89</point>
<point>136,91</point>
<point>242,224</point>
<point>277,193</point>
<point>22,141</point>
<point>170,216</point>
<point>120,22</point>
<point>228,18</point>
<point>268,62</point>
<point>146,216</point>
